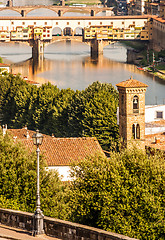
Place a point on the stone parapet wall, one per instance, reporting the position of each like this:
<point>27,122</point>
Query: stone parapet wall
<point>57,228</point>
<point>16,219</point>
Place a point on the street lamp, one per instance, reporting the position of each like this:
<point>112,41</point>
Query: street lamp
<point>38,215</point>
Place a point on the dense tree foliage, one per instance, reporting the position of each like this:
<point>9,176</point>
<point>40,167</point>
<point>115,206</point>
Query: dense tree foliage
<point>123,194</point>
<point>93,113</point>
<point>15,95</point>
<point>64,113</point>
<point>18,181</point>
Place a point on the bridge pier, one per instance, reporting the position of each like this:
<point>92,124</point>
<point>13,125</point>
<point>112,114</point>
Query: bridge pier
<point>23,13</point>
<point>93,13</point>
<point>9,3</point>
<point>96,48</point>
<point>37,49</point>
<point>62,2</point>
<point>60,13</point>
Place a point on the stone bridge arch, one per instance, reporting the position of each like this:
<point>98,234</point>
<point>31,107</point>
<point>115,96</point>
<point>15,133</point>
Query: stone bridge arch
<point>56,39</point>
<point>68,31</point>
<point>79,12</point>
<point>9,10</point>
<point>27,11</point>
<point>78,31</point>
<point>57,31</point>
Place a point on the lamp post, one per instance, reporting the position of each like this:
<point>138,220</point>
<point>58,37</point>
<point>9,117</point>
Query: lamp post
<point>38,215</point>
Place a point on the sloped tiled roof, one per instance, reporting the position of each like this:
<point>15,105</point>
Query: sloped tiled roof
<point>59,151</point>
<point>131,83</point>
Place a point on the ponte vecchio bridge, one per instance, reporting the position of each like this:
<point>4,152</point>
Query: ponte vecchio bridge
<point>94,31</point>
<point>59,10</point>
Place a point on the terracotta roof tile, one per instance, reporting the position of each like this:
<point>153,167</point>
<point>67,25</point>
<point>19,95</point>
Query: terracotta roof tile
<point>59,151</point>
<point>131,83</point>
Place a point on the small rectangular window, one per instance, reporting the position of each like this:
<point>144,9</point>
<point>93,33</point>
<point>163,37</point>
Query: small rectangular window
<point>89,23</point>
<point>78,23</point>
<point>67,23</point>
<point>159,114</point>
<point>12,23</point>
<point>34,23</point>
<point>45,23</point>
<point>56,23</point>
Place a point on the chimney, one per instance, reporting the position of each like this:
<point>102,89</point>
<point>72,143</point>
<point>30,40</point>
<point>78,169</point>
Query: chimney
<point>157,140</point>
<point>27,135</point>
<point>4,129</point>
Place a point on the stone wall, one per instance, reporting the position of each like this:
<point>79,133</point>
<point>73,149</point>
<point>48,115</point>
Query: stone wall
<point>57,228</point>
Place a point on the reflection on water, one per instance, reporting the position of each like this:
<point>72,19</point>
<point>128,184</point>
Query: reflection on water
<point>68,65</point>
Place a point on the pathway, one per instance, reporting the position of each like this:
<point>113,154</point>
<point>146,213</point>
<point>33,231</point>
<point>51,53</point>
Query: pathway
<point>19,234</point>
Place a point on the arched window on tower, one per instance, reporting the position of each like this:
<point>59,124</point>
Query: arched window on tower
<point>136,104</point>
<point>136,131</point>
<point>133,131</point>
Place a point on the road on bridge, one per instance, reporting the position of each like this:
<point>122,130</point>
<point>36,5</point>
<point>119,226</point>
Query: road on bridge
<point>19,234</point>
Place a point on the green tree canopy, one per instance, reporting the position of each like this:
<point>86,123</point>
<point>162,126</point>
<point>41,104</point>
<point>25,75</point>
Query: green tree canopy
<point>93,113</point>
<point>18,181</point>
<point>124,193</point>
<point>15,95</point>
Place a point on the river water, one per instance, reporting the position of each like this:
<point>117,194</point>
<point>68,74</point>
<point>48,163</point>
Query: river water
<point>68,65</point>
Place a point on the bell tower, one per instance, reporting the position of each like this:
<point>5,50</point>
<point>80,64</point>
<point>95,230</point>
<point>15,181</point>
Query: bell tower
<point>132,111</point>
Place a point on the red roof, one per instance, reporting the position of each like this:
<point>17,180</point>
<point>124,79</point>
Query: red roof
<point>59,151</point>
<point>4,65</point>
<point>131,83</point>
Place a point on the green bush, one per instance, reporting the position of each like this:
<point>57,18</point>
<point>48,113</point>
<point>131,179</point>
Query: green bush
<point>123,193</point>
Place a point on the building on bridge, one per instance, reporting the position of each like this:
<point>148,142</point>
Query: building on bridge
<point>132,32</point>
<point>22,33</point>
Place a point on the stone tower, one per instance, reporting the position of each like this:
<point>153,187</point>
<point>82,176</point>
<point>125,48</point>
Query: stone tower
<point>132,111</point>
